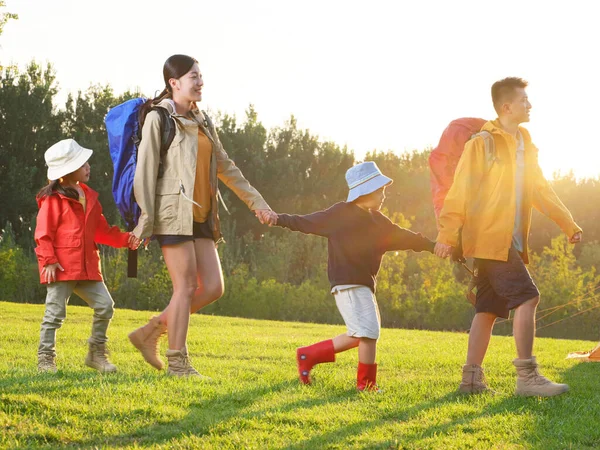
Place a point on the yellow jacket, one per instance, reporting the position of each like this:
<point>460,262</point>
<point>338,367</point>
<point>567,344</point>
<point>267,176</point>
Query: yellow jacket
<point>482,198</point>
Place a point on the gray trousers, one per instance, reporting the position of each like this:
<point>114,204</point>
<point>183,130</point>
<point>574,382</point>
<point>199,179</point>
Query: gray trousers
<point>94,293</point>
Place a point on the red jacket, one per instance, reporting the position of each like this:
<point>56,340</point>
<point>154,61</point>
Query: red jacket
<point>64,233</point>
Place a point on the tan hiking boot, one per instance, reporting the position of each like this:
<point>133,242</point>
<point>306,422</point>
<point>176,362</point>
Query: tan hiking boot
<point>473,380</point>
<point>97,358</point>
<point>180,366</point>
<point>531,383</point>
<point>146,338</point>
<point>46,363</point>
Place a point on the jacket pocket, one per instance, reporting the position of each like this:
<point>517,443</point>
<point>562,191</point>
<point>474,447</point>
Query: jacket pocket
<point>67,242</point>
<point>167,200</point>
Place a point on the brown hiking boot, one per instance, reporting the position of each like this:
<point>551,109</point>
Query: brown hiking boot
<point>46,363</point>
<point>97,358</point>
<point>531,383</point>
<point>146,338</point>
<point>180,366</point>
<point>473,380</point>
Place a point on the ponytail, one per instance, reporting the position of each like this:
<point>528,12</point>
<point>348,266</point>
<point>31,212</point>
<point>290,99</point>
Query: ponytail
<point>149,104</point>
<point>53,187</point>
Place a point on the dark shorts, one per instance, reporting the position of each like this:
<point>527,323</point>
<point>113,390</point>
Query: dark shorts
<point>200,230</point>
<point>503,285</point>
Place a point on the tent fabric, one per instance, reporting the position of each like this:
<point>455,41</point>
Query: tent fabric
<point>592,355</point>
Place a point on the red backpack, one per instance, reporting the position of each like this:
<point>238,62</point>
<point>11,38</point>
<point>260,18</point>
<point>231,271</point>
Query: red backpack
<point>444,158</point>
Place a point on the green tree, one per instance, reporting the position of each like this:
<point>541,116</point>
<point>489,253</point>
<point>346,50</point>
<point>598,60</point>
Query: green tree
<point>29,125</point>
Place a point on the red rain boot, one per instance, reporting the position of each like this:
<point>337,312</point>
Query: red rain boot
<point>366,377</point>
<point>308,357</point>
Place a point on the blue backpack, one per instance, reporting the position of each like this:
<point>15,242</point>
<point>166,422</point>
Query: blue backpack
<point>124,128</point>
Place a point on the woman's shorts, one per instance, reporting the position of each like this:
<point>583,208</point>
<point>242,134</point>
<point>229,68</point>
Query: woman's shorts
<point>201,230</point>
<point>503,285</point>
<point>359,309</point>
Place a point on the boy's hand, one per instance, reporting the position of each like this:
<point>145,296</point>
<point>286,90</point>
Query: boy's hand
<point>442,250</point>
<point>576,238</point>
<point>49,272</point>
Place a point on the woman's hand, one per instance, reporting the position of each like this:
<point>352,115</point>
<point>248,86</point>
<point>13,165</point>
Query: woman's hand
<point>266,216</point>
<point>49,272</point>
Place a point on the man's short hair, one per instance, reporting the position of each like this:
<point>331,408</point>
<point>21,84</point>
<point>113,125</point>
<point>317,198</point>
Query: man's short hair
<point>504,90</point>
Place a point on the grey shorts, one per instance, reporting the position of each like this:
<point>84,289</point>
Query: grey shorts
<point>360,311</point>
<point>503,285</point>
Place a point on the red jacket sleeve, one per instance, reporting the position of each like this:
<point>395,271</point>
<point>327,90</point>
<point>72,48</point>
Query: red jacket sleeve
<point>107,235</point>
<point>45,230</point>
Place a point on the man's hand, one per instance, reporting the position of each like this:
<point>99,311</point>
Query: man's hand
<point>576,238</point>
<point>266,216</point>
<point>49,272</point>
<point>442,250</point>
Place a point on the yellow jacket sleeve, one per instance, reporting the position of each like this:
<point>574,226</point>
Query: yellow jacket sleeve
<point>547,202</point>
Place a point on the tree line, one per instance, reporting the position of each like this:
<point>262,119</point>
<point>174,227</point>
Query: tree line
<point>273,273</point>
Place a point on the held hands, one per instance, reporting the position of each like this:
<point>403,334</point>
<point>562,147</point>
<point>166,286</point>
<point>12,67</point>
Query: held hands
<point>442,250</point>
<point>133,242</point>
<point>266,216</point>
<point>49,272</point>
<point>576,238</point>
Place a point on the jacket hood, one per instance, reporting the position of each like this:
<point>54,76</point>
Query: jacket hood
<point>494,127</point>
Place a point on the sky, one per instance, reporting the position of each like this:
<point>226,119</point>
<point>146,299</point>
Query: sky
<point>384,75</point>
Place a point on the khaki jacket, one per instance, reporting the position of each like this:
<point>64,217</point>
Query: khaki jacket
<point>166,202</point>
<point>482,198</point>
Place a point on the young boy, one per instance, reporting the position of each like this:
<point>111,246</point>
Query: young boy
<point>358,235</point>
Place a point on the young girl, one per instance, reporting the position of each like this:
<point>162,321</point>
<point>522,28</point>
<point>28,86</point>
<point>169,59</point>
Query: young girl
<point>358,236</point>
<point>69,225</point>
<point>177,193</point>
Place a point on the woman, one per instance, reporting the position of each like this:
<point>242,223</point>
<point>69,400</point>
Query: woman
<point>177,193</point>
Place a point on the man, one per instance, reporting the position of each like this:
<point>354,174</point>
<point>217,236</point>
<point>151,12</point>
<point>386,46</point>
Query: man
<point>489,204</point>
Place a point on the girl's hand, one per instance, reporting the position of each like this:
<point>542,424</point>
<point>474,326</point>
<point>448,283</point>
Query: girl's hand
<point>49,272</point>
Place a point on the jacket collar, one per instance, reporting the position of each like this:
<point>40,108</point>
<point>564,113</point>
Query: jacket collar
<point>494,127</point>
<point>169,105</point>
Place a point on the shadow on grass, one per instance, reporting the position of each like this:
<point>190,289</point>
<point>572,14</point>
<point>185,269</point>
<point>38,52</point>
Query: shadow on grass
<point>567,421</point>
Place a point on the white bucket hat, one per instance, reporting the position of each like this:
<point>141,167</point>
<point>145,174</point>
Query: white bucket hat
<point>365,178</point>
<point>64,157</point>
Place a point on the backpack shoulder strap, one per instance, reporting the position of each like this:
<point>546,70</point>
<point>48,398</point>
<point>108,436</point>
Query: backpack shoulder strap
<point>490,148</point>
<point>167,124</point>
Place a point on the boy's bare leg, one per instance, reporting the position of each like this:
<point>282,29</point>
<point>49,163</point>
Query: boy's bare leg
<point>479,337</point>
<point>344,342</point>
<point>367,350</point>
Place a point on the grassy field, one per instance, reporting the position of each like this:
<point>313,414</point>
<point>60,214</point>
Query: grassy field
<point>255,401</point>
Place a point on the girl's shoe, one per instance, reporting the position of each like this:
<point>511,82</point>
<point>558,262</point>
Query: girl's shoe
<point>46,363</point>
<point>97,358</point>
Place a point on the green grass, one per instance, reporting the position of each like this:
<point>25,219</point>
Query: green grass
<point>255,401</point>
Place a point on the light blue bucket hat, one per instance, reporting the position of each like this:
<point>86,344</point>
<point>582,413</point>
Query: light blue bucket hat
<point>365,178</point>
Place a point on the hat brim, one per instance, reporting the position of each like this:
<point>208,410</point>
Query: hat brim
<point>369,187</point>
<point>54,173</point>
